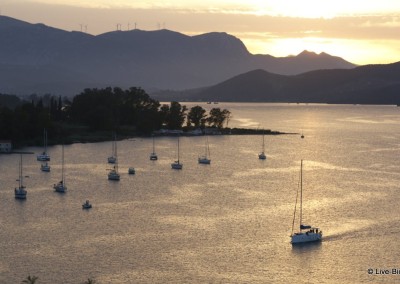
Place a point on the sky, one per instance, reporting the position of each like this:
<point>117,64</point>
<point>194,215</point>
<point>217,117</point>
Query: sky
<point>360,31</point>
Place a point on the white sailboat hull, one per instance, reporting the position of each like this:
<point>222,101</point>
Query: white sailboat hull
<point>43,157</point>
<point>306,233</point>
<point>204,160</point>
<point>153,156</point>
<point>45,168</point>
<point>20,193</point>
<point>302,237</point>
<point>177,166</point>
<point>60,187</point>
<point>113,175</point>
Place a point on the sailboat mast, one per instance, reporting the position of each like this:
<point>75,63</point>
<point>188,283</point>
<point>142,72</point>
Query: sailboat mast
<point>153,145</point>
<point>20,173</point>
<point>44,141</point>
<point>113,144</point>
<point>263,145</point>
<point>208,148</point>
<point>301,192</point>
<point>62,165</point>
<point>116,155</point>
<point>178,149</point>
<point>205,148</point>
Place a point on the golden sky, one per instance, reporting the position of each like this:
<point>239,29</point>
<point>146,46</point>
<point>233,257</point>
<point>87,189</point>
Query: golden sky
<point>360,31</point>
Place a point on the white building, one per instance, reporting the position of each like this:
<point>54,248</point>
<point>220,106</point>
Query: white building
<point>5,146</point>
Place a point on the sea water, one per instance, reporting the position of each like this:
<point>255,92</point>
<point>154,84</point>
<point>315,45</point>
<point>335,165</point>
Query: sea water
<point>228,222</point>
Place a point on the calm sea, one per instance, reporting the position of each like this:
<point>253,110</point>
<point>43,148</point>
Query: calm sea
<point>228,222</point>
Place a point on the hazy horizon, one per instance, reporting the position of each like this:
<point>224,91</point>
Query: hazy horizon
<point>361,32</point>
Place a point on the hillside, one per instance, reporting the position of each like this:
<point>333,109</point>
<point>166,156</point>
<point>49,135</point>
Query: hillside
<point>370,84</point>
<point>35,58</point>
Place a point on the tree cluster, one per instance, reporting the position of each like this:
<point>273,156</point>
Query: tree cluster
<point>110,108</point>
<point>26,120</point>
<point>107,109</point>
<point>9,101</point>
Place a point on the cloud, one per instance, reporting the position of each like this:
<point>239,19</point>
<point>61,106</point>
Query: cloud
<point>235,20</point>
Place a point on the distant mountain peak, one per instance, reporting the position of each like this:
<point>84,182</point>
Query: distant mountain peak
<point>312,54</point>
<point>306,53</point>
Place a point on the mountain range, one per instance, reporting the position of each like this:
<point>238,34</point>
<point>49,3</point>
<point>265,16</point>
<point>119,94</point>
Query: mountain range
<point>35,58</point>
<point>369,84</point>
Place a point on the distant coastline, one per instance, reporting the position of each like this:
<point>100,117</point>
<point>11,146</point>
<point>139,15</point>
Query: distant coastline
<point>103,137</point>
<point>217,131</point>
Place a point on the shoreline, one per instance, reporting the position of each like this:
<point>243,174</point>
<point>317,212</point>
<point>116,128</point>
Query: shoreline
<point>175,133</point>
<point>104,136</point>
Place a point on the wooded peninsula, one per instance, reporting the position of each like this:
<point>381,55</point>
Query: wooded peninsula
<point>94,114</point>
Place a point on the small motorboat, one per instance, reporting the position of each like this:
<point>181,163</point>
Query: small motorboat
<point>86,205</point>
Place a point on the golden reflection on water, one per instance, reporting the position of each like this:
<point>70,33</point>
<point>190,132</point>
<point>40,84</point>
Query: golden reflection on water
<point>228,222</point>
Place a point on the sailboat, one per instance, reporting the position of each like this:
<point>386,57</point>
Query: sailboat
<point>205,159</point>
<point>113,173</point>
<point>177,165</point>
<point>112,159</point>
<point>262,155</point>
<point>153,155</point>
<point>44,156</point>
<point>20,192</point>
<point>61,185</point>
<point>45,167</point>
<point>306,233</point>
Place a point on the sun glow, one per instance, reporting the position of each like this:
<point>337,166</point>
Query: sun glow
<point>288,8</point>
<point>356,51</point>
<point>318,8</point>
